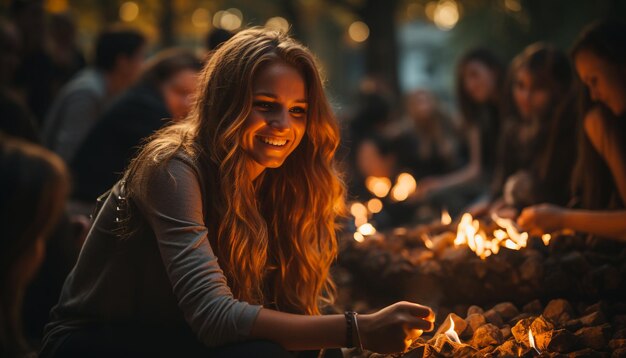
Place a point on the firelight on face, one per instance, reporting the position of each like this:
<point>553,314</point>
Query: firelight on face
<point>277,122</point>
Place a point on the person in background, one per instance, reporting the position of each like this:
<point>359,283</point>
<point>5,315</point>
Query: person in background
<point>537,149</point>
<point>215,38</point>
<point>15,119</point>
<point>599,55</point>
<point>219,239</point>
<point>119,55</point>
<point>34,184</point>
<point>479,84</point>
<point>34,76</point>
<point>163,92</point>
<point>67,56</point>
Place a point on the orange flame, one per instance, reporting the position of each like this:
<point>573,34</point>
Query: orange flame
<point>531,340</point>
<point>446,219</point>
<point>451,333</point>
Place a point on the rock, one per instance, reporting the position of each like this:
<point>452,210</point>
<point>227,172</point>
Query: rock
<point>620,334</point>
<point>506,332</point>
<point>519,317</point>
<point>619,353</point>
<point>593,319</point>
<point>507,349</point>
<point>474,321</point>
<point>506,310</point>
<point>542,332</point>
<point>619,321</point>
<point>559,311</point>
<point>585,353</point>
<point>533,307</point>
<point>485,335</point>
<point>424,350</point>
<point>459,325</point>
<point>493,317</point>
<point>563,341</point>
<point>616,344</point>
<point>532,270</point>
<point>474,309</point>
<point>575,262</point>
<point>600,306</point>
<point>520,330</point>
<point>594,337</point>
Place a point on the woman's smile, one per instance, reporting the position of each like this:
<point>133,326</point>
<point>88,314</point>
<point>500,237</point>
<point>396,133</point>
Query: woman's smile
<point>275,142</point>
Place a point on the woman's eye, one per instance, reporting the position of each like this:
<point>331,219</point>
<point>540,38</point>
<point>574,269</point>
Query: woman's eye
<point>264,105</point>
<point>298,110</point>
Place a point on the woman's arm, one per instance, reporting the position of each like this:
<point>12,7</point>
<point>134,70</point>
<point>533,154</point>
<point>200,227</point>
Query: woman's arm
<point>386,331</point>
<point>549,218</point>
<point>173,209</point>
<point>463,175</point>
<point>608,140</point>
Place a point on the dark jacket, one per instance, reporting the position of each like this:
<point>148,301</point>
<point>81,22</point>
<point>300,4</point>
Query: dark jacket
<point>115,139</point>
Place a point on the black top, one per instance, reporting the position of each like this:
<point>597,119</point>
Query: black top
<point>114,141</point>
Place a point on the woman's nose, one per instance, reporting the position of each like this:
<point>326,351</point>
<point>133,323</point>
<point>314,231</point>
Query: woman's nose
<point>279,121</point>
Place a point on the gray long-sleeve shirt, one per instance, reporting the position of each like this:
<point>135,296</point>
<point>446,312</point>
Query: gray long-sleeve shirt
<point>164,274</point>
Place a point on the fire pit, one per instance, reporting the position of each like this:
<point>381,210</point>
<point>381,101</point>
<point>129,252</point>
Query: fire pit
<point>497,291</point>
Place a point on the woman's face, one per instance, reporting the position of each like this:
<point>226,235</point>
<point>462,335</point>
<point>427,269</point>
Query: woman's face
<point>531,101</point>
<point>278,118</point>
<point>178,91</point>
<point>604,81</point>
<point>479,81</point>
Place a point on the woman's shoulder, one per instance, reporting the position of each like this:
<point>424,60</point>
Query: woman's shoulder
<point>597,122</point>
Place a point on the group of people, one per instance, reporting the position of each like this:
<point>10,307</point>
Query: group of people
<point>215,191</point>
<point>541,141</point>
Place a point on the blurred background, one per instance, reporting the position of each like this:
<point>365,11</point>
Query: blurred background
<point>409,43</point>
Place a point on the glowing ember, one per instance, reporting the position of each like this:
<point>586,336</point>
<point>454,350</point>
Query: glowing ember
<point>366,229</point>
<point>446,219</point>
<point>451,333</point>
<point>427,241</point>
<point>375,206</point>
<point>546,239</point>
<point>378,186</point>
<point>531,340</point>
<point>359,237</point>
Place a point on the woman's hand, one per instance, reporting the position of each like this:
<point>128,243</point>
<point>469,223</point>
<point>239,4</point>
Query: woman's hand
<point>543,217</point>
<point>394,328</point>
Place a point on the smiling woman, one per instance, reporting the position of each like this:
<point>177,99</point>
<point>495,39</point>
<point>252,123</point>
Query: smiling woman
<point>249,179</point>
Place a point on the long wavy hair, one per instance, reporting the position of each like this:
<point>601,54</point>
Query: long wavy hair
<point>34,184</point>
<point>275,236</point>
<point>592,178</point>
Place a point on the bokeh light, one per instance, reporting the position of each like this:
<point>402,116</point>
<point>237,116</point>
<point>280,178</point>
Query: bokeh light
<point>359,31</point>
<point>129,11</point>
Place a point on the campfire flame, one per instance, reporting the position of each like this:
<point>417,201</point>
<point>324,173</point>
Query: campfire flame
<point>451,333</point>
<point>470,233</point>
<point>531,340</point>
<point>446,219</point>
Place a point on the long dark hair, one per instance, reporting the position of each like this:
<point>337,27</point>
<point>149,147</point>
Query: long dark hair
<point>592,179</point>
<point>469,108</point>
<point>33,188</point>
<point>550,68</point>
